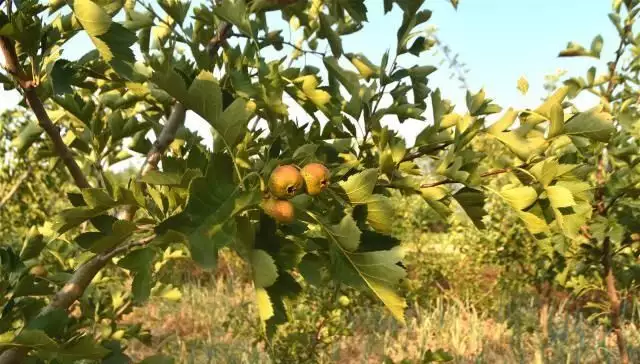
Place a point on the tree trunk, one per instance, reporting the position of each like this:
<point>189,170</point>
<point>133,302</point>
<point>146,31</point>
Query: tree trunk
<point>545,299</point>
<point>614,301</point>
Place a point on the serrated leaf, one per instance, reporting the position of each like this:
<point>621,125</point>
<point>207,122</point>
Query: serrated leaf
<point>597,126</point>
<point>534,224</point>
<point>92,17</point>
<point>346,233</point>
<point>264,268</point>
<point>520,197</point>
<point>208,219</point>
<point>359,187</point>
<point>560,196</point>
<point>265,308</point>
<point>377,270</point>
<point>33,244</point>
<point>235,12</point>
<point>380,213</point>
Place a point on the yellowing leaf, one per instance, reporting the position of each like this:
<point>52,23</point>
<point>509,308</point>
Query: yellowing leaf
<point>520,197</point>
<point>92,17</point>
<point>560,197</point>
<point>380,213</point>
<point>309,88</point>
<point>504,122</point>
<point>359,187</point>
<point>523,85</point>
<point>265,308</point>
<point>533,223</point>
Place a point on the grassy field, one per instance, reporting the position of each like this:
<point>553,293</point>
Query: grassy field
<point>215,322</point>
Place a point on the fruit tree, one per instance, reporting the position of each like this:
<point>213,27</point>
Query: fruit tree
<point>302,202</point>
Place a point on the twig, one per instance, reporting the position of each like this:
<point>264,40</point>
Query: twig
<point>30,95</point>
<point>72,291</point>
<point>224,31</point>
<point>166,137</point>
<point>293,45</point>
<point>486,174</point>
<point>422,151</point>
<point>613,65</point>
<point>15,187</point>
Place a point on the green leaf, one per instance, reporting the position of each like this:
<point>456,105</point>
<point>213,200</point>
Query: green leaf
<point>377,270</point>
<point>346,233</point>
<point>264,268</point>
<point>472,201</point>
<point>29,134</point>
<point>543,112</point>
<point>158,359</point>
<point>359,187</point>
<point>84,347</point>
<point>597,126</point>
<point>33,244</point>
<point>208,219</point>
<point>235,12</point>
<point>61,77</point>
<point>99,242</point>
<point>380,213</point>
<point>350,80</point>
<point>140,263</point>
<point>523,147</point>
<point>35,339</point>
<point>32,286</point>
<point>232,124</point>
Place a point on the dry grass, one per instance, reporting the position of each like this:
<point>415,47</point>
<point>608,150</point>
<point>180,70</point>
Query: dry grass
<point>218,324</point>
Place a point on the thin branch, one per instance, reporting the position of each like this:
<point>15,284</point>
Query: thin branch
<point>422,151</point>
<point>486,174</point>
<point>15,187</point>
<point>166,137</point>
<point>73,290</point>
<point>614,65</point>
<point>292,45</point>
<point>224,31</point>
<point>34,102</point>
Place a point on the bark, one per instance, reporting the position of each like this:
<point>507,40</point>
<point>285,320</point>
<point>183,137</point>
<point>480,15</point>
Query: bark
<point>545,302</point>
<point>29,91</point>
<point>15,188</point>
<point>614,301</point>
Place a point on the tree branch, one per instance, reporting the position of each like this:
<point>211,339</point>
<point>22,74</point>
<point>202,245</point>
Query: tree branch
<point>29,90</point>
<point>166,137</point>
<point>15,187</point>
<point>72,291</point>
<point>224,31</point>
<point>486,174</point>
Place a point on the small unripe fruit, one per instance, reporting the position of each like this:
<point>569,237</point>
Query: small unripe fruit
<point>344,301</point>
<point>280,210</point>
<point>316,178</point>
<point>285,181</point>
<point>38,271</point>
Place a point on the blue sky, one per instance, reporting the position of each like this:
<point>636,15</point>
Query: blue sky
<point>498,40</point>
